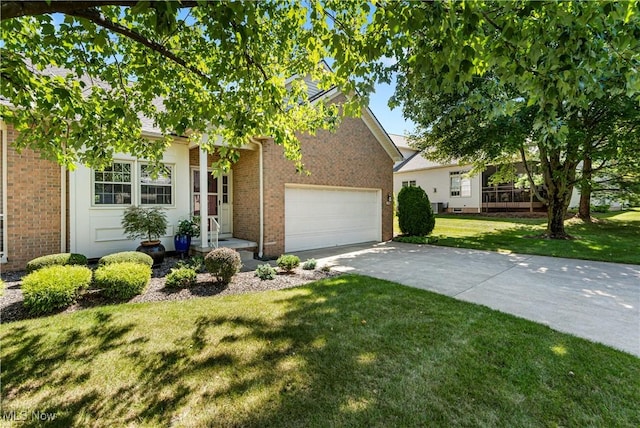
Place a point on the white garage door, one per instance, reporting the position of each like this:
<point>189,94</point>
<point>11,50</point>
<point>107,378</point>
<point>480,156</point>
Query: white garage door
<point>319,217</point>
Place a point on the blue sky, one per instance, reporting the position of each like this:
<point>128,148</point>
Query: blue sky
<point>391,120</point>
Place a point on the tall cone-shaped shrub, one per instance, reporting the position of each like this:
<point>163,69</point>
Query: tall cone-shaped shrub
<point>415,215</point>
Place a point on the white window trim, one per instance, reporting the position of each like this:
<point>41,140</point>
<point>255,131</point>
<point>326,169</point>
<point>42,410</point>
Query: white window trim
<point>465,183</point>
<point>133,186</point>
<point>172,168</point>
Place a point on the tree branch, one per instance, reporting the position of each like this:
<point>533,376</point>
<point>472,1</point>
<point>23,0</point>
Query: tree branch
<point>97,18</point>
<point>532,183</point>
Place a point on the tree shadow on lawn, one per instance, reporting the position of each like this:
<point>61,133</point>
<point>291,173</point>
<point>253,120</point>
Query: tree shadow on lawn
<point>604,241</point>
<point>343,352</point>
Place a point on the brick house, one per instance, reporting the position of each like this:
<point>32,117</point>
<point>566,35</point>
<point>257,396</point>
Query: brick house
<point>262,203</point>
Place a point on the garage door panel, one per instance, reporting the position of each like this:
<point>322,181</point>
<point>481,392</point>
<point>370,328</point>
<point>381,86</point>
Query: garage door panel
<point>322,217</point>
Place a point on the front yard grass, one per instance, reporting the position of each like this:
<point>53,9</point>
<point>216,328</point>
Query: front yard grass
<point>613,238</point>
<point>345,351</point>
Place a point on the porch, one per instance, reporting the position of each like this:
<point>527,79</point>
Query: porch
<point>509,198</point>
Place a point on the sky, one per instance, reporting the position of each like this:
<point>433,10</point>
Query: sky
<point>391,120</point>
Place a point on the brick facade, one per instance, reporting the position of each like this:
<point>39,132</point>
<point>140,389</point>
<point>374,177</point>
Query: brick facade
<point>33,206</point>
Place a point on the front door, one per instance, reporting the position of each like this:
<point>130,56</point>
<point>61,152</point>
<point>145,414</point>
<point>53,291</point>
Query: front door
<point>218,198</point>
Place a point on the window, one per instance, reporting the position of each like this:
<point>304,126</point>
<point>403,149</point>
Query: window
<point>156,191</point>
<point>113,185</point>
<point>410,183</point>
<point>460,184</point>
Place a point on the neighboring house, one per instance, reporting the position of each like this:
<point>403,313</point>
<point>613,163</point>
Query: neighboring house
<point>263,203</point>
<point>451,188</point>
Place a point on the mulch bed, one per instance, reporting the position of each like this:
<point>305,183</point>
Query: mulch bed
<point>12,309</point>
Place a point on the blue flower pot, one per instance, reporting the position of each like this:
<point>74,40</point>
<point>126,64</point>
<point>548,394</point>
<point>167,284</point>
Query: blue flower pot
<point>182,243</point>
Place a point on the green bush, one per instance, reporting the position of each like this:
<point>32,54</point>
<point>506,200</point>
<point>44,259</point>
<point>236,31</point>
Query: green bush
<point>415,216</point>
<point>604,208</point>
<point>309,264</point>
<point>122,280</point>
<point>61,259</point>
<point>1,287</point>
<point>288,262</point>
<point>54,287</point>
<point>126,256</point>
<point>196,263</point>
<point>223,263</point>
<point>182,277</point>
<point>265,272</point>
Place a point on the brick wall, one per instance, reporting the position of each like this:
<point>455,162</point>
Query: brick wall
<point>349,157</point>
<point>33,206</point>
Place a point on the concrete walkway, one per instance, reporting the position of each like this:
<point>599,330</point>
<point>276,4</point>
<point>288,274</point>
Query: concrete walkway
<point>594,300</point>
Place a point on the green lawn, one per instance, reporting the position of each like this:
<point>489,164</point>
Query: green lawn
<point>346,351</point>
<point>614,238</point>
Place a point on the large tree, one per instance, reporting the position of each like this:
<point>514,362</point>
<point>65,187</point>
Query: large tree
<point>486,79</point>
<point>77,75</point>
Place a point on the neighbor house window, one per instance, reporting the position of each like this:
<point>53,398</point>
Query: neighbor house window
<point>158,190</point>
<point>460,184</point>
<point>410,183</point>
<point>113,185</point>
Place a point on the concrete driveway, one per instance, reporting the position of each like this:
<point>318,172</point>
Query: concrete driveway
<point>594,300</point>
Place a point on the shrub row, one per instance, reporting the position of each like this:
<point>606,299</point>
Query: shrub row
<point>54,282</point>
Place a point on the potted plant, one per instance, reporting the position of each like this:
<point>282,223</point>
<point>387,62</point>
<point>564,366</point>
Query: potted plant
<point>187,229</point>
<point>148,224</point>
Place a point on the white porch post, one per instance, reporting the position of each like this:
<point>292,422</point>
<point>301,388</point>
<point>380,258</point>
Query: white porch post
<point>204,200</point>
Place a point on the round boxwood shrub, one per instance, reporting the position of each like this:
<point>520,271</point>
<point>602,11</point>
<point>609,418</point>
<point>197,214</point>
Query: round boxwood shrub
<point>415,215</point>
<point>61,259</point>
<point>126,256</point>
<point>122,280</point>
<point>223,263</point>
<point>266,272</point>
<point>181,277</point>
<point>54,287</point>
<point>288,262</point>
<point>309,264</point>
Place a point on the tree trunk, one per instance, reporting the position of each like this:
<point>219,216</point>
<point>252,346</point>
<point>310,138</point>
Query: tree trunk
<point>584,209</point>
<point>558,178</point>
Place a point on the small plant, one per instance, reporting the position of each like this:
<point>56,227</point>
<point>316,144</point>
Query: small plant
<point>309,264</point>
<point>415,215</point>
<point>122,280</point>
<point>266,272</point>
<point>54,287</point>
<point>604,208</point>
<point>189,227</point>
<point>126,256</point>
<point>1,287</point>
<point>325,269</point>
<point>182,277</point>
<point>145,223</point>
<point>195,262</point>
<point>223,263</point>
<point>61,259</point>
<point>288,262</point>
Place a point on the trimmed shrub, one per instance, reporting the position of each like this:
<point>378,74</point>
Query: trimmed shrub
<point>126,257</point>
<point>61,259</point>
<point>182,277</point>
<point>122,280</point>
<point>223,263</point>
<point>265,272</point>
<point>415,216</point>
<point>54,287</point>
<point>309,264</point>
<point>288,262</point>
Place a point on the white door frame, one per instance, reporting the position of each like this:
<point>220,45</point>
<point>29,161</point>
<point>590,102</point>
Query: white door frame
<point>226,226</point>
